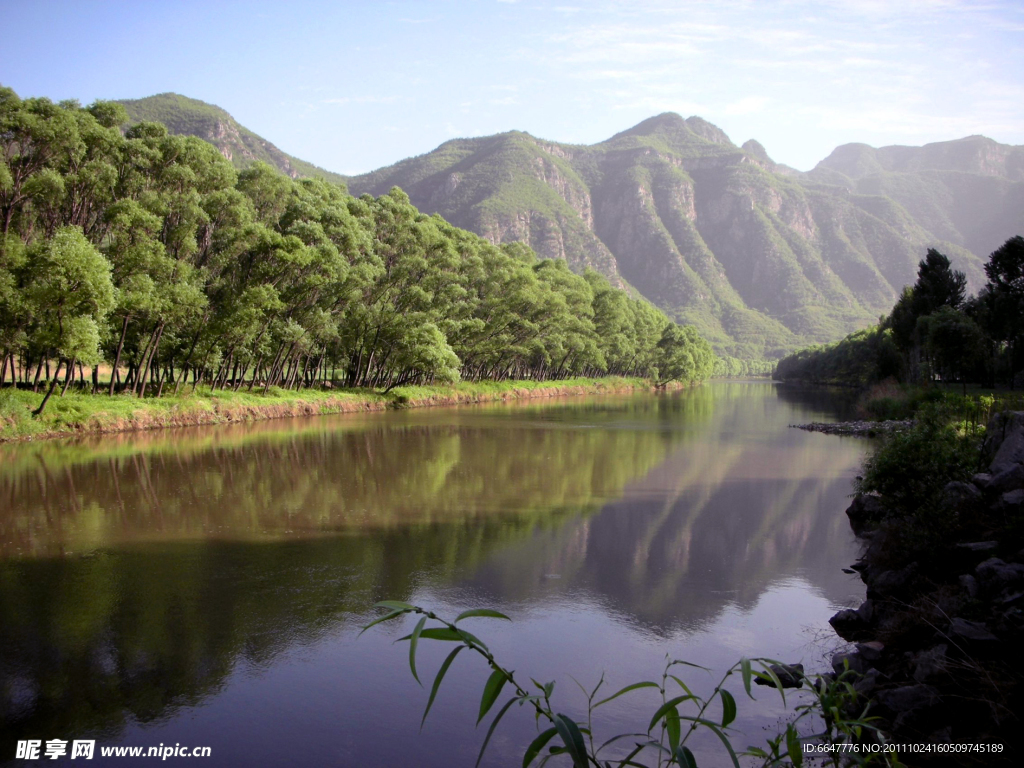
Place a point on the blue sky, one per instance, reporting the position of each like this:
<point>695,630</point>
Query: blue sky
<point>355,86</point>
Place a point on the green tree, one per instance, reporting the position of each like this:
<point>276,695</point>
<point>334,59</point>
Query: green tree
<point>71,288</point>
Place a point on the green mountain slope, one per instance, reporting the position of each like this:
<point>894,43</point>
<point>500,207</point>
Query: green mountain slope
<point>760,257</point>
<point>191,117</point>
<point>763,259</point>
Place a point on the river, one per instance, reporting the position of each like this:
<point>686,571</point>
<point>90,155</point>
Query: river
<point>206,586</point>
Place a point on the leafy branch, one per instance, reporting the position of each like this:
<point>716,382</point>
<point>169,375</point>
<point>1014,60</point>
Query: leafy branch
<point>844,713</point>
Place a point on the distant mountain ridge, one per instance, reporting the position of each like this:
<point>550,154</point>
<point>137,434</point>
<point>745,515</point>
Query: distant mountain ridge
<point>237,143</point>
<point>760,257</point>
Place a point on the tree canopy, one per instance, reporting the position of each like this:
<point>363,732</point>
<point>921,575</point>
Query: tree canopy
<point>152,253</point>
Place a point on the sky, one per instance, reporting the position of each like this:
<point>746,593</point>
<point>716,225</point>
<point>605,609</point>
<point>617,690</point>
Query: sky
<point>354,86</point>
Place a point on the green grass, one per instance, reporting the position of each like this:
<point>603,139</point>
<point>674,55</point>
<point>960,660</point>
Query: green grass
<point>79,412</point>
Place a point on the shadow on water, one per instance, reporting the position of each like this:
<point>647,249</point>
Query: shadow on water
<point>141,580</point>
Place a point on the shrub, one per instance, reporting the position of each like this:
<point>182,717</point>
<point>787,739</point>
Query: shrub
<point>834,703</point>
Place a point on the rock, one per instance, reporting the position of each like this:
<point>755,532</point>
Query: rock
<point>970,584</point>
<point>894,583</point>
<point>1012,500</point>
<point>868,682</point>
<point>842,661</point>
<point>982,480</point>
<point>995,576</point>
<point>1004,441</point>
<point>930,664</point>
<point>978,546</point>
<point>957,494</point>
<point>865,512</point>
<point>849,624</point>
<point>870,651</point>
<point>971,631</point>
<point>866,611</point>
<point>1008,480</point>
<point>790,676</point>
<point>908,697</point>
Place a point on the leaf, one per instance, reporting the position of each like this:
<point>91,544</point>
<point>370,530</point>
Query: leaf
<point>745,669</point>
<point>670,704</point>
<point>437,681</point>
<point>673,727</point>
<point>728,707</point>
<point>682,685</point>
<point>413,640</point>
<point>482,613</point>
<point>441,633</point>
<point>384,618</point>
<point>613,739</point>
<point>627,689</point>
<point>724,739</point>
<point>537,745</point>
<point>685,757</point>
<point>395,605</point>
<point>492,688</point>
<point>796,754</point>
<point>464,635</point>
<point>494,724</point>
<point>573,740</point>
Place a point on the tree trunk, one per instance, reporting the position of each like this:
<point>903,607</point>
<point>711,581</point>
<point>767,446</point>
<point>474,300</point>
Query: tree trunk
<point>53,384</point>
<point>148,362</point>
<point>117,357</point>
<point>68,376</point>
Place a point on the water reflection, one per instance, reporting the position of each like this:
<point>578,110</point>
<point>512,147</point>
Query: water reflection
<point>204,559</point>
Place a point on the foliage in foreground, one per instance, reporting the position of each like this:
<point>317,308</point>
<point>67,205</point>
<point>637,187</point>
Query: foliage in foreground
<point>835,703</point>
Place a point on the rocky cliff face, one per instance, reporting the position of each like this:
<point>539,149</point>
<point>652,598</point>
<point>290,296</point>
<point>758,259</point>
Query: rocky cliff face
<point>760,257</point>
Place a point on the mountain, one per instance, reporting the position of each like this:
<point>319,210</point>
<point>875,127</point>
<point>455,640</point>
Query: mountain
<point>759,256</point>
<point>762,258</point>
<point>191,117</point>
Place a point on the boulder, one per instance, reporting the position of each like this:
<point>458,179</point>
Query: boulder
<point>1011,501</point>
<point>908,697</point>
<point>864,512</point>
<point>970,584</point>
<point>870,651</point>
<point>854,661</point>
<point>790,676</point>
<point>1004,441</point>
<point>1009,479</point>
<point>982,480</point>
<point>957,495</point>
<point>930,664</point>
<point>995,576</point>
<point>970,631</point>
<point>848,624</point>
<point>893,583</point>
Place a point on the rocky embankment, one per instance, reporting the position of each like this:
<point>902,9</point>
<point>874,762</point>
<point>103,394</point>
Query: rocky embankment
<point>938,639</point>
<point>855,428</point>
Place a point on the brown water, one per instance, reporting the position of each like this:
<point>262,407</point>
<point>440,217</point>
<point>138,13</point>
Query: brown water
<point>206,586</point>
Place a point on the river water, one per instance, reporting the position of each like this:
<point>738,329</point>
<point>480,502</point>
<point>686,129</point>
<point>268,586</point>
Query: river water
<point>206,586</point>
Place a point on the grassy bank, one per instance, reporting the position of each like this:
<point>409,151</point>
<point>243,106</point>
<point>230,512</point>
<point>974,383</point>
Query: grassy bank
<point>79,413</point>
<point>888,400</point>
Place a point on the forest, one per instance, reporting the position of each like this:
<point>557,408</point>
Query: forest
<point>935,332</point>
<point>127,249</point>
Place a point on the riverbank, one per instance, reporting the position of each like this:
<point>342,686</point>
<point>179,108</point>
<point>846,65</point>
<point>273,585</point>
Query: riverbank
<point>80,413</point>
<point>937,640</point>
<point>855,428</point>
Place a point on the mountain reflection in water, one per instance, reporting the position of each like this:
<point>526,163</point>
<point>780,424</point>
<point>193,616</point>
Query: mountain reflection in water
<point>206,586</point>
